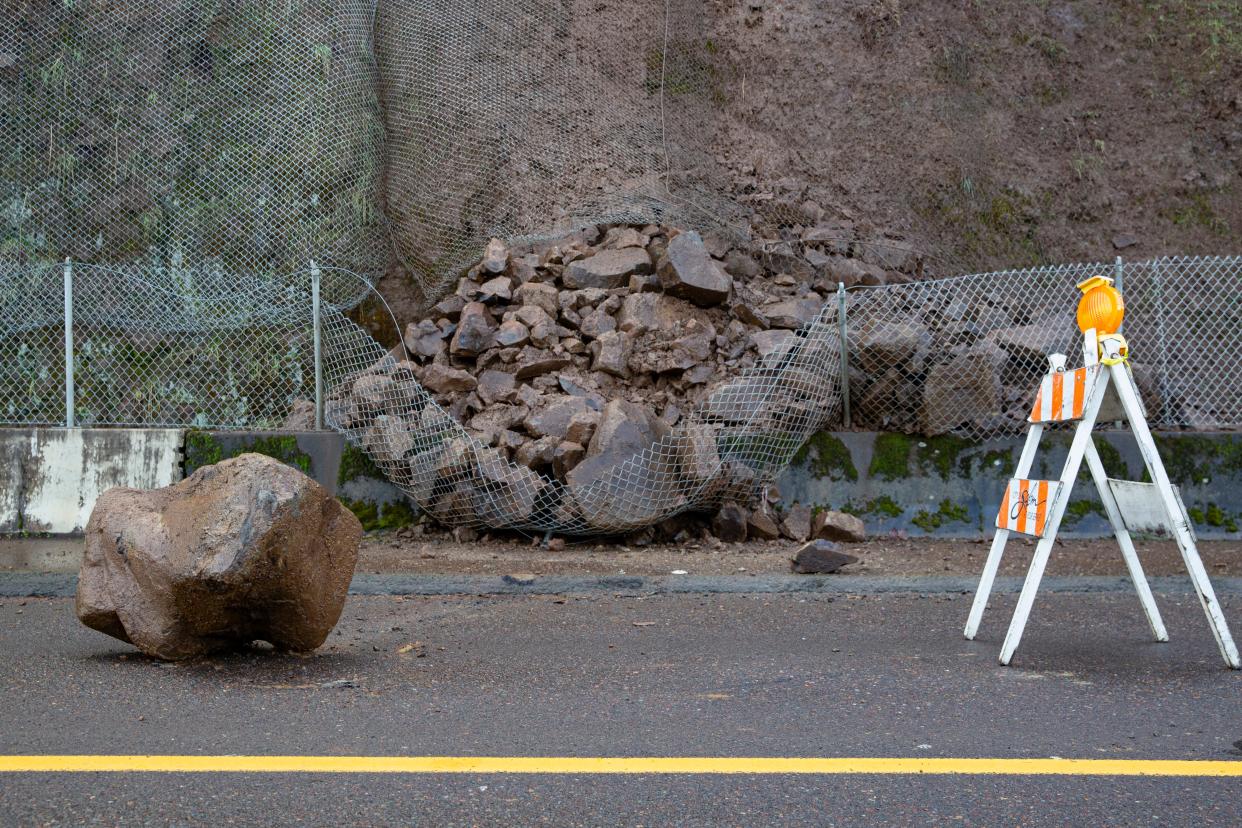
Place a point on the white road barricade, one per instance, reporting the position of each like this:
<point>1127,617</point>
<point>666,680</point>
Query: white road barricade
<point>1035,507</point>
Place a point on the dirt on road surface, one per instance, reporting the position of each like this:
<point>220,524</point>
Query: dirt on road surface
<point>386,553</point>
<point>879,557</point>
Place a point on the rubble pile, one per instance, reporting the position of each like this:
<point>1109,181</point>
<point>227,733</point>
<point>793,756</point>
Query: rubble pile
<point>607,380</point>
<point>535,341</point>
<point>566,360</point>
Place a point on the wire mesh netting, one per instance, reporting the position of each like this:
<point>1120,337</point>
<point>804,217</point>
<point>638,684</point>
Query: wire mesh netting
<point>519,119</point>
<point>740,437</point>
<point>961,355</point>
<point>241,136</point>
<point>153,347</point>
<point>192,161</point>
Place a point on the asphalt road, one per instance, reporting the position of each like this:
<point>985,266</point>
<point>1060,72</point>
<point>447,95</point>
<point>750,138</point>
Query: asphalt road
<point>629,675</point>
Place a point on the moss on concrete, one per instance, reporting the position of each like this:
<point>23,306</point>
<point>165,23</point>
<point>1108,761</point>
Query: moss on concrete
<point>1000,460</point>
<point>1076,510</point>
<point>381,516</point>
<point>1193,458</point>
<point>1114,464</point>
<point>1213,516</point>
<point>949,512</point>
<point>941,454</point>
<point>201,449</point>
<point>355,464</point>
<point>882,505</point>
<point>826,456</point>
<point>890,458</point>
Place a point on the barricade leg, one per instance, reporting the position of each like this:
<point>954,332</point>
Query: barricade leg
<point>1082,436</point>
<point>984,590</point>
<point>1126,543</point>
<point>1176,518</point>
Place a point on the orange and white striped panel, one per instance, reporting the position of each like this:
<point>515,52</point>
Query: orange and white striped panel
<point>1063,395</point>
<point>1026,504</point>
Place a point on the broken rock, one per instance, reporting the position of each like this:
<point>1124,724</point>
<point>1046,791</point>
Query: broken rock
<point>688,271</point>
<point>442,379</point>
<point>607,269</point>
<point>729,524</point>
<point>474,331</point>
<point>761,526</point>
<point>821,557</point>
<point>796,525</point>
<point>838,526</point>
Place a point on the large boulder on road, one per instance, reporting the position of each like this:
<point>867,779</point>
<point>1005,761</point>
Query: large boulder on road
<point>248,549</point>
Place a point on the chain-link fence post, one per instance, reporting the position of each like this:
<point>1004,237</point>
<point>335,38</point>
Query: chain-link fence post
<point>318,336</point>
<point>69,418</point>
<point>1157,280</point>
<point>843,329</point>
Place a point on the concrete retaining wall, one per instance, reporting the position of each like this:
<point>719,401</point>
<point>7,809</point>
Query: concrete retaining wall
<point>51,477</point>
<point>314,453</point>
<point>950,487</point>
<point>943,486</point>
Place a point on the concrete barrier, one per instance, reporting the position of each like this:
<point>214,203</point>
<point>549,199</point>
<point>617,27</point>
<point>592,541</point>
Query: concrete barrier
<point>951,487</point>
<point>52,476</point>
<point>941,486</point>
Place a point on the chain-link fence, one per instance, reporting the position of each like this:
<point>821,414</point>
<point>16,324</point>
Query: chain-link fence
<point>963,355</point>
<point>960,355</point>
<point>88,345</point>
<point>169,172</point>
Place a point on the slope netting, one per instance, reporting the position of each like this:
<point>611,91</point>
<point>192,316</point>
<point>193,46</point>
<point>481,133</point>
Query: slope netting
<point>960,355</point>
<point>236,136</point>
<point>524,119</point>
<point>173,171</point>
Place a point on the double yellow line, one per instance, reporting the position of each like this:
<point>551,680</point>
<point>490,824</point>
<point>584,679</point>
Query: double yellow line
<point>565,765</point>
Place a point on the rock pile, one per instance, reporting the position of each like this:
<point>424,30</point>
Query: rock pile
<point>929,360</point>
<point>603,377</point>
<point>569,358</point>
<point>535,340</point>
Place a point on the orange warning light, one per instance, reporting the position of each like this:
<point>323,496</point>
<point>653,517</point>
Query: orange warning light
<point>1101,306</point>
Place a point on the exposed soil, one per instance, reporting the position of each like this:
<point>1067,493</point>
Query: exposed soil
<point>1046,131</point>
<point>988,135</point>
<point>881,557</point>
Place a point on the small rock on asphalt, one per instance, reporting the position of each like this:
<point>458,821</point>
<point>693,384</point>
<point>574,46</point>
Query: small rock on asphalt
<point>820,557</point>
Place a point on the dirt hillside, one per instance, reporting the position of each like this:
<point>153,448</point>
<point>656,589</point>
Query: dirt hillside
<point>987,135</point>
<point>1004,133</point>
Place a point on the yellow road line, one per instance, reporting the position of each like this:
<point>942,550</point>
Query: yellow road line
<point>616,765</point>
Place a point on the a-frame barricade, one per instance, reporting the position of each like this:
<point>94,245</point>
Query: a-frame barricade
<point>1036,507</point>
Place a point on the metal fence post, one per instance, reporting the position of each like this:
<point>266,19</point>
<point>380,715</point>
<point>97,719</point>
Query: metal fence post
<point>843,329</point>
<point>1161,309</point>
<point>314,269</point>
<point>69,402</point>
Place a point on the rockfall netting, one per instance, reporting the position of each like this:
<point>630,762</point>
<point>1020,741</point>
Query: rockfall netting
<point>153,346</point>
<point>523,119</point>
<point>193,159</point>
<point>218,137</point>
<point>964,353</point>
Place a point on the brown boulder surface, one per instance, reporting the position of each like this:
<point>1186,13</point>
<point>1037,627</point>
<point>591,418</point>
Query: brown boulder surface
<point>248,549</point>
